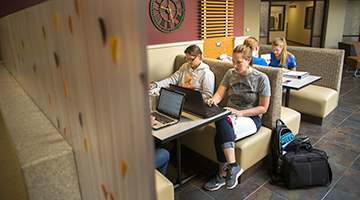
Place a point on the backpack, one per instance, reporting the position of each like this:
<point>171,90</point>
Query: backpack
<point>280,138</point>
<point>302,166</point>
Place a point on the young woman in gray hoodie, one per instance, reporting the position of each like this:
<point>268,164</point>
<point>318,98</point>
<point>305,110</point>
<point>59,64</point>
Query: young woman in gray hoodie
<point>193,74</point>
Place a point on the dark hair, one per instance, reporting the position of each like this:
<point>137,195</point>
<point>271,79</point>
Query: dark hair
<point>246,52</point>
<point>194,50</point>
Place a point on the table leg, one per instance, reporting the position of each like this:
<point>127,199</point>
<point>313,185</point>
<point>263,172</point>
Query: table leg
<point>287,97</point>
<point>178,162</point>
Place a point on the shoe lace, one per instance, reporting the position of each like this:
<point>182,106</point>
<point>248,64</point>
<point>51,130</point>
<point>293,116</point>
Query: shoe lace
<point>216,179</point>
<point>227,169</point>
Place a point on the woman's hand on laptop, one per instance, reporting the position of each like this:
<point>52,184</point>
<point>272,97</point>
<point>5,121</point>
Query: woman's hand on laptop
<point>211,102</point>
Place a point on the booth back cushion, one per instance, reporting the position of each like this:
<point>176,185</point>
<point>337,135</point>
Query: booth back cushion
<point>327,63</point>
<point>275,76</point>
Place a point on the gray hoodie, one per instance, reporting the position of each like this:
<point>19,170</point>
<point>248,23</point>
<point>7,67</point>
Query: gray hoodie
<point>201,79</point>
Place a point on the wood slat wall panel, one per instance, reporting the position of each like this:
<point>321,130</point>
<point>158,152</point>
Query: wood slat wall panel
<point>96,94</point>
<point>216,12</point>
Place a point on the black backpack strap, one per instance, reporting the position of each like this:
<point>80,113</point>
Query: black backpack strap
<point>299,143</point>
<point>279,120</point>
<point>273,181</point>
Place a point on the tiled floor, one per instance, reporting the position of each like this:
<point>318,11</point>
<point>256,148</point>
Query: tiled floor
<point>339,137</point>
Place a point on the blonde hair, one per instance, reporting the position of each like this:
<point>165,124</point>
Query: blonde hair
<point>281,42</point>
<point>246,52</point>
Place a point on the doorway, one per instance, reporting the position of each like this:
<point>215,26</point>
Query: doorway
<point>299,22</point>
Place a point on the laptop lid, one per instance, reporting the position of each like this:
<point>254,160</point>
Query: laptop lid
<point>194,102</point>
<point>170,103</point>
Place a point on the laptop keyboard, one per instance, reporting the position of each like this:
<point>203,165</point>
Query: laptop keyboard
<point>211,112</point>
<point>161,118</point>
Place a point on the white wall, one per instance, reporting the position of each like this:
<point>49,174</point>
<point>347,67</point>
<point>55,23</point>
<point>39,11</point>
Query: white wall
<point>296,31</point>
<point>252,18</point>
<point>160,58</point>
<point>335,23</point>
<point>239,40</point>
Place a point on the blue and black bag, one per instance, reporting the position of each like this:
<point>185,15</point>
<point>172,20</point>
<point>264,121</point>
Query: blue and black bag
<point>281,137</point>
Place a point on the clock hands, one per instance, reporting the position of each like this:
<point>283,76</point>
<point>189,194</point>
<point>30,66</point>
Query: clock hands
<point>169,11</point>
<point>172,19</point>
<point>167,15</point>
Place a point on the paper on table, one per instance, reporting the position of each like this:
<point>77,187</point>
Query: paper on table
<point>266,57</point>
<point>296,74</point>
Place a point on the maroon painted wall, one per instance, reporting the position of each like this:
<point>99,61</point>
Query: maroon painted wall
<point>10,6</point>
<point>189,30</point>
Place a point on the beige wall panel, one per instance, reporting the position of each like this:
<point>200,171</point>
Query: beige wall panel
<point>40,88</point>
<point>105,83</point>
<point>334,25</point>
<point>120,83</point>
<point>296,31</point>
<point>89,14</point>
<point>27,56</point>
<point>160,58</point>
<point>252,18</point>
<point>41,58</point>
<point>81,131</point>
<point>239,41</point>
<point>14,49</point>
<point>54,67</point>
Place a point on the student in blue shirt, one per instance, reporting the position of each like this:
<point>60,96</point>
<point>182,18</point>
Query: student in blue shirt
<point>162,156</point>
<point>280,57</point>
<point>254,46</point>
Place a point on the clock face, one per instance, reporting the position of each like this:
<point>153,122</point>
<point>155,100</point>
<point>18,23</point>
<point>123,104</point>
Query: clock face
<point>167,15</point>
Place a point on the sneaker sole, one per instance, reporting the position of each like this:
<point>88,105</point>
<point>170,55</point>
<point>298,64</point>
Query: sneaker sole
<point>214,188</point>
<point>237,177</point>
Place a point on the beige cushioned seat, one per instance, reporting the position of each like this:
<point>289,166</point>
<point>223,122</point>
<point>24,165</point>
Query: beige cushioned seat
<point>291,118</point>
<point>320,101</point>
<point>164,188</point>
<point>247,151</point>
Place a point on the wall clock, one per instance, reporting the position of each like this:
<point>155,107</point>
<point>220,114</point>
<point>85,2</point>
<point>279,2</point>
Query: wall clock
<point>167,15</point>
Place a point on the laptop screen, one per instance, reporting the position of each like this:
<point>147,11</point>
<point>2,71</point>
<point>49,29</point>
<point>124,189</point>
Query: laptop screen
<point>170,102</point>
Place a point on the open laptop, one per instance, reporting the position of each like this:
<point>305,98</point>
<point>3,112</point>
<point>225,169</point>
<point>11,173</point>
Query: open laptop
<point>195,103</point>
<point>169,108</point>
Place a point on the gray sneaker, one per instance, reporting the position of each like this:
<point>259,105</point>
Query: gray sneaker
<point>215,183</point>
<point>232,175</point>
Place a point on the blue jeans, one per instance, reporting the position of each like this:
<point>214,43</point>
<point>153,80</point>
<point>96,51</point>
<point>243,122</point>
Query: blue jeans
<point>162,158</point>
<point>225,137</point>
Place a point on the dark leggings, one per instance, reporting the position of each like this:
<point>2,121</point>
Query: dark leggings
<point>224,137</point>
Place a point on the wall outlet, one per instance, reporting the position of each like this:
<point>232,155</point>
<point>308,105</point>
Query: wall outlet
<point>218,44</point>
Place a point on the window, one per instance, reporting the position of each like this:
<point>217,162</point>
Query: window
<point>277,18</point>
<point>308,17</point>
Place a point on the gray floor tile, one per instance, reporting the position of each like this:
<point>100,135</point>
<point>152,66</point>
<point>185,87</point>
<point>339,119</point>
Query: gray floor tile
<point>264,194</point>
<point>350,183</point>
<point>335,194</point>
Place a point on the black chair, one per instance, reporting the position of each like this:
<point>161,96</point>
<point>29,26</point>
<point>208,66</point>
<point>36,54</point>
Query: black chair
<point>350,50</point>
